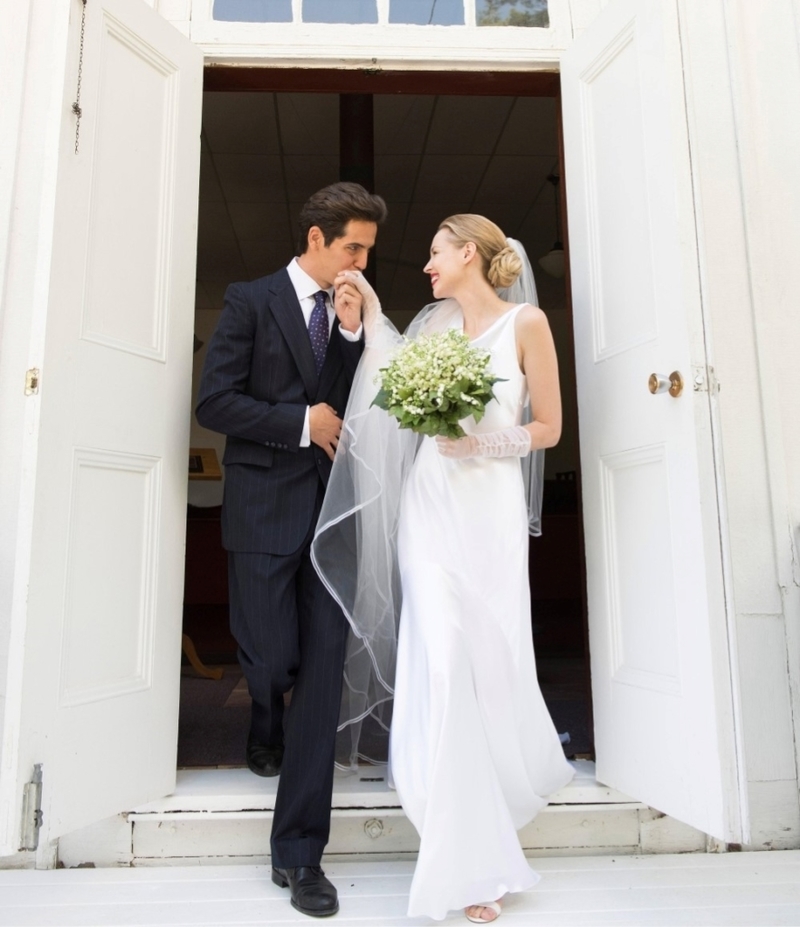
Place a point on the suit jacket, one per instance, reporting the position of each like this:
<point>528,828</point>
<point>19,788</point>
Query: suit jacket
<point>259,376</point>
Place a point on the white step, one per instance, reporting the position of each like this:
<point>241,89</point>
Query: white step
<point>754,889</point>
<point>224,816</point>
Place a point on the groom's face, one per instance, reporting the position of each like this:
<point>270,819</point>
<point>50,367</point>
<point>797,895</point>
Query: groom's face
<point>350,252</point>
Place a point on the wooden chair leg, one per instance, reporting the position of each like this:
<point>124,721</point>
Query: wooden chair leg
<point>197,664</point>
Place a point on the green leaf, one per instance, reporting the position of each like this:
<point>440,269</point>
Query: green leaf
<point>382,399</point>
<point>429,427</point>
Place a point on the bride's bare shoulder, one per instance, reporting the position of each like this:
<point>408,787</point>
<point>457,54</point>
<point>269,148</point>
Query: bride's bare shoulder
<point>530,319</point>
<point>532,332</point>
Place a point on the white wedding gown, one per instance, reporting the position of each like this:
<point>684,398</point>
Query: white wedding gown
<point>473,750</point>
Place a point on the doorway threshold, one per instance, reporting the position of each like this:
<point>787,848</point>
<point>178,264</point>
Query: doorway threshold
<point>224,816</point>
<point>238,791</point>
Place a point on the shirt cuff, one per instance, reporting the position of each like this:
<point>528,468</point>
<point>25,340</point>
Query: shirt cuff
<point>305,437</point>
<point>351,336</point>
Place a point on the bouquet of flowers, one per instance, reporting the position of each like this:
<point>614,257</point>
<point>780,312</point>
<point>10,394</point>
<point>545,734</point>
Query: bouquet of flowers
<point>434,382</point>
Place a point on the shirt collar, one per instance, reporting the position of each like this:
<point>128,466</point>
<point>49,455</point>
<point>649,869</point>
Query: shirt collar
<point>304,286</point>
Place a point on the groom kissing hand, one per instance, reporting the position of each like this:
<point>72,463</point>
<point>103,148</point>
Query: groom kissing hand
<point>276,381</point>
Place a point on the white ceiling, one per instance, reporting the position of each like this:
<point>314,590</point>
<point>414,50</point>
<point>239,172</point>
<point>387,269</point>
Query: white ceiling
<point>263,154</point>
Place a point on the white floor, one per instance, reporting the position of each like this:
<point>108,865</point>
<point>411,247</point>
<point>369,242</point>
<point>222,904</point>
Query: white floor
<point>752,889</point>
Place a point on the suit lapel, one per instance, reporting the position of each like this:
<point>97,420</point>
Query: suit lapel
<point>289,316</point>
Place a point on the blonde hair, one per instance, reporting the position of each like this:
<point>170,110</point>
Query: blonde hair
<point>501,263</point>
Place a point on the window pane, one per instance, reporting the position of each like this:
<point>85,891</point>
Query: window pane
<point>340,11</point>
<point>427,12</point>
<point>512,13</point>
<point>253,11</point>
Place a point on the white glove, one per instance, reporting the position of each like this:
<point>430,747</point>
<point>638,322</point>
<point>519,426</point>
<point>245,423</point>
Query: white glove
<point>371,306</point>
<point>509,442</point>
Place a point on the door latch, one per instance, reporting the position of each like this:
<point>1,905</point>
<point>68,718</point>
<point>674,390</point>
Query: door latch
<point>704,380</point>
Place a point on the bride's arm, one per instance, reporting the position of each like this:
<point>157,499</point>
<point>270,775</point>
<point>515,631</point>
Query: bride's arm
<point>537,357</point>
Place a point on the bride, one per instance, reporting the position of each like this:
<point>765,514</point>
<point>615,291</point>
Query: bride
<point>423,542</point>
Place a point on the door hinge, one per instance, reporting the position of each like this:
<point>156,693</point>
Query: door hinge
<point>704,380</point>
<point>31,381</point>
<point>32,810</point>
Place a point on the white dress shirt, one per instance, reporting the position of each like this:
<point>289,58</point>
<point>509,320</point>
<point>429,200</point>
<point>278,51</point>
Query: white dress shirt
<point>305,287</point>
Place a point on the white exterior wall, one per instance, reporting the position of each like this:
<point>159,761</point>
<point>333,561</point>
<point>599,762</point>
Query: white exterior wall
<point>743,93</point>
<point>744,79</point>
<point>767,79</point>
<point>33,46</point>
<point>178,12</point>
<point>14,22</point>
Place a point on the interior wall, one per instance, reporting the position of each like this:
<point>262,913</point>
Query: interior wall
<point>265,153</point>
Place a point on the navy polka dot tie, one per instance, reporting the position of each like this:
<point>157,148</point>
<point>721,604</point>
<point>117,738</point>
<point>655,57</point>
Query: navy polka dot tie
<point>318,330</point>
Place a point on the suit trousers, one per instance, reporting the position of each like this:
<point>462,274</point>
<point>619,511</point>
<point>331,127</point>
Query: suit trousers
<point>292,635</point>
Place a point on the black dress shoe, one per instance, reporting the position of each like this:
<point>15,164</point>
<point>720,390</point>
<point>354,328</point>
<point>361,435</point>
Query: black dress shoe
<point>263,759</point>
<point>311,892</point>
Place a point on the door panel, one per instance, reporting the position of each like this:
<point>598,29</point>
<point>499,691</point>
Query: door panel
<point>98,698</point>
<point>661,689</point>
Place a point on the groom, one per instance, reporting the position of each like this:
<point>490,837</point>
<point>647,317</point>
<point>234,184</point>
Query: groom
<point>276,381</point>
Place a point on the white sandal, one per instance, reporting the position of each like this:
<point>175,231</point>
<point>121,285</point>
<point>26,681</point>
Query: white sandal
<point>491,905</point>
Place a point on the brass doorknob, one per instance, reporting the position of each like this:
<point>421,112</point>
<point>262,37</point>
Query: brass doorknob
<point>673,384</point>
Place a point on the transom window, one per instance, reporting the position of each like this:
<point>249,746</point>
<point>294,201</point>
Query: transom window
<point>524,13</point>
<point>530,13</point>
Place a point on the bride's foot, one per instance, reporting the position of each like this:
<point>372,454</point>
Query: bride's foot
<point>484,913</point>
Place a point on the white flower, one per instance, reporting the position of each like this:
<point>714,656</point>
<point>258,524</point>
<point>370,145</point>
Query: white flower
<point>435,381</point>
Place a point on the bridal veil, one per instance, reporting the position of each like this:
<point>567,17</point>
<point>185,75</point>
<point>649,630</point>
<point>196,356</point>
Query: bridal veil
<point>354,549</point>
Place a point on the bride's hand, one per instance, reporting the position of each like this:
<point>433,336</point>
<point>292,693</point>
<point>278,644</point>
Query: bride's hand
<point>456,448</point>
<point>507,442</point>
<point>371,305</point>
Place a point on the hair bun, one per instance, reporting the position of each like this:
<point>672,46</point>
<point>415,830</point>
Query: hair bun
<point>505,268</point>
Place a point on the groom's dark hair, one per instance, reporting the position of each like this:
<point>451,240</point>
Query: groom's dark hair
<point>331,208</point>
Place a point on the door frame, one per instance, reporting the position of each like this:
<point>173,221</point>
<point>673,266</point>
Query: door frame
<point>274,79</point>
<point>262,78</point>
<point>237,70</point>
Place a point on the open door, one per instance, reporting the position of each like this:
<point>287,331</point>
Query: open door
<point>94,694</point>
<point>661,676</point>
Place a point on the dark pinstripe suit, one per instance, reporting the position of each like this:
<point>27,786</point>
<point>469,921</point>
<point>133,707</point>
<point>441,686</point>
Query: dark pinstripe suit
<point>258,379</point>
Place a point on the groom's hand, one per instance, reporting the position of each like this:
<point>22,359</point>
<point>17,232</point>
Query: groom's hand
<point>347,304</point>
<point>324,427</point>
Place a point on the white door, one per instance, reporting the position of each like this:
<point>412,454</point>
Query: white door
<point>657,620</point>
<point>94,696</point>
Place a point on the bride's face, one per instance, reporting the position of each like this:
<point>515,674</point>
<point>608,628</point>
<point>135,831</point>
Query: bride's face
<point>448,263</point>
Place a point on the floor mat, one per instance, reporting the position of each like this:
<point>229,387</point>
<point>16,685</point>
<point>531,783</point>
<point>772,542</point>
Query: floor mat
<point>214,719</point>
